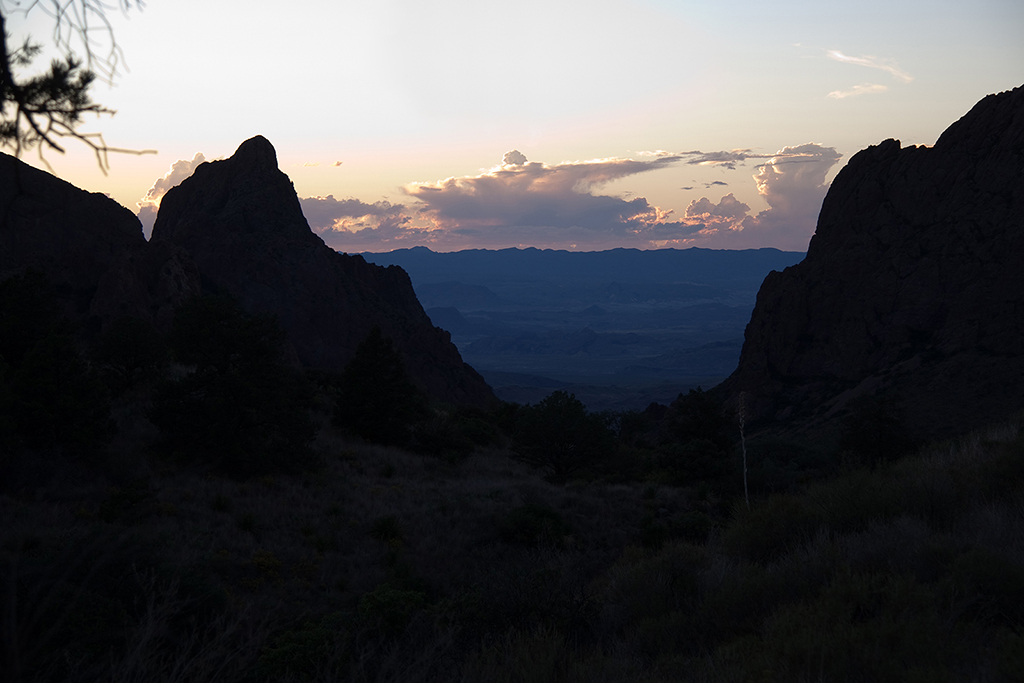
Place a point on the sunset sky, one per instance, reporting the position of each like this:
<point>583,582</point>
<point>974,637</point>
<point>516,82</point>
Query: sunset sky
<point>548,123</point>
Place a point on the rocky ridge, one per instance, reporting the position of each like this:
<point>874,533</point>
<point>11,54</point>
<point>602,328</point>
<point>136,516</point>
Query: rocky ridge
<point>912,288</point>
<point>90,248</point>
<point>234,227</point>
<point>241,222</point>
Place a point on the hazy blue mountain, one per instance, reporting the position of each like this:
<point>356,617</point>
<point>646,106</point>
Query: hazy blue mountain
<point>619,328</point>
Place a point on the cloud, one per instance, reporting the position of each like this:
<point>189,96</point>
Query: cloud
<point>792,183</point>
<point>337,163</point>
<point>327,214</point>
<point>873,63</point>
<point>514,158</point>
<point>728,159</point>
<point>532,202</point>
<point>728,207</point>
<point>863,89</point>
<point>529,203</point>
<point>312,163</point>
<point>148,205</point>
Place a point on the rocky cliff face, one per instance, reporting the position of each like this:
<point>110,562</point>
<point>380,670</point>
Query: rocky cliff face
<point>240,221</point>
<point>913,287</point>
<point>90,247</point>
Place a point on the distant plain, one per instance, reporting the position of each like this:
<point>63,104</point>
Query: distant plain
<point>618,328</point>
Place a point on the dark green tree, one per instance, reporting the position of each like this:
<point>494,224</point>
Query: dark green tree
<point>559,436</point>
<point>376,399</point>
<point>238,407</point>
<point>697,439</point>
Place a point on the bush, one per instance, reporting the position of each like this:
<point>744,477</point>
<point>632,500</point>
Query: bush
<point>561,437</point>
<point>533,525</point>
<point>376,399</point>
<point>874,432</point>
<point>239,408</point>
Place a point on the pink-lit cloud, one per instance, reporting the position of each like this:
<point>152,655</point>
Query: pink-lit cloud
<point>148,205</point>
<point>522,202</point>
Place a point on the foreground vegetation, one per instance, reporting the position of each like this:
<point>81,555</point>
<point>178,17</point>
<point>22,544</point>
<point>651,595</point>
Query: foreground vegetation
<point>143,541</point>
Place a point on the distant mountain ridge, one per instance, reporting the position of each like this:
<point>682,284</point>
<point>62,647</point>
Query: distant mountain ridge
<point>737,268</point>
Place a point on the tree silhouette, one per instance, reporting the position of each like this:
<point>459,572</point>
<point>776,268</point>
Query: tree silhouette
<point>376,398</point>
<point>39,110</point>
<point>238,408</point>
<point>560,436</point>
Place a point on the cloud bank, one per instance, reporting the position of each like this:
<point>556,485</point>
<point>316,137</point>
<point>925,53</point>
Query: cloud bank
<point>521,202</point>
<point>357,220</point>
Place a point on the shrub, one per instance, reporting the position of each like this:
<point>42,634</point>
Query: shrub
<point>532,525</point>
<point>873,431</point>
<point>240,409</point>
<point>561,437</point>
<point>388,610</point>
<point>315,651</point>
<point>376,400</point>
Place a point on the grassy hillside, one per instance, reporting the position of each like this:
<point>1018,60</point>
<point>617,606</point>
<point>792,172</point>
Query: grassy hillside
<point>189,507</point>
<point>384,565</point>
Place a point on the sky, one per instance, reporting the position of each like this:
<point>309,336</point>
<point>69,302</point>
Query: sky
<point>591,125</point>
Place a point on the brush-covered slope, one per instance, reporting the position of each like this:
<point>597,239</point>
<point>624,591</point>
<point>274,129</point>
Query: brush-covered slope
<point>913,288</point>
<point>240,220</point>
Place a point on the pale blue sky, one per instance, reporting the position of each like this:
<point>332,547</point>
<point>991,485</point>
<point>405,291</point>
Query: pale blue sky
<point>407,92</point>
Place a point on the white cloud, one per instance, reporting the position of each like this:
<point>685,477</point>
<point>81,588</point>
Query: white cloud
<point>792,182</point>
<point>862,89</point>
<point>872,63</point>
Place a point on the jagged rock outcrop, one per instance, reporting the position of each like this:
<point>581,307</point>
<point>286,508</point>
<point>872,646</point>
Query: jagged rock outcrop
<point>90,247</point>
<point>241,222</point>
<point>913,287</point>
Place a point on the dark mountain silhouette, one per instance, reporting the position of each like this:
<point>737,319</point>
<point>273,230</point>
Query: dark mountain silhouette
<point>234,227</point>
<point>90,248</point>
<point>240,220</point>
<point>912,289</point>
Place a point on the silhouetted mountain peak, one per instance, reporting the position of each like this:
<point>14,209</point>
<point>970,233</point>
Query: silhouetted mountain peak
<point>910,289</point>
<point>241,221</point>
<point>256,153</point>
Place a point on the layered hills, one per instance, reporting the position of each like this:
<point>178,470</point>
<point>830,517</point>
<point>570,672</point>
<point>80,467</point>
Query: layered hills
<point>912,290</point>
